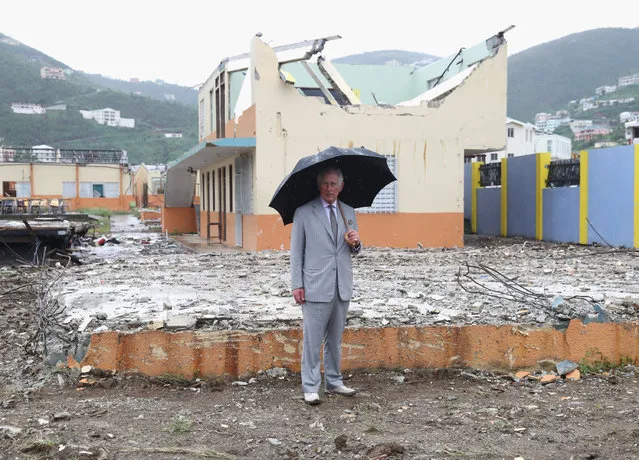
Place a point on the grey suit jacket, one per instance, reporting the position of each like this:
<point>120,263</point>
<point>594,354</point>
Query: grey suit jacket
<point>316,262</point>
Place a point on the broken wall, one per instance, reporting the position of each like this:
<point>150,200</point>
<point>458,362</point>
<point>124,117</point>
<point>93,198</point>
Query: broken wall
<point>427,142</point>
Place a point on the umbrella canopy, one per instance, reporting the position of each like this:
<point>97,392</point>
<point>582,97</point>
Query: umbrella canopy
<point>365,174</point>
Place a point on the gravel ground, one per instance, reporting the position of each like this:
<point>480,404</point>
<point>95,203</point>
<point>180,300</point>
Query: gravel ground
<point>53,412</point>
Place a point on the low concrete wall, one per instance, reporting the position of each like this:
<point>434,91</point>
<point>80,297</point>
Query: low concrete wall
<point>179,220</point>
<point>240,353</point>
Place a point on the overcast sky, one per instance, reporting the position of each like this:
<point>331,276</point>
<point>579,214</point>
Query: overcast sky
<point>183,41</point>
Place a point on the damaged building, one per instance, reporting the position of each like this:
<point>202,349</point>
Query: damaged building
<point>260,112</point>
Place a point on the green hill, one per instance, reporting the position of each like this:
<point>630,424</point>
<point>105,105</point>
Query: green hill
<point>385,57</point>
<point>546,77</point>
<point>20,81</point>
<point>155,90</point>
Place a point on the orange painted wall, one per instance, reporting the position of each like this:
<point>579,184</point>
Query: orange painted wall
<point>265,232</point>
<point>150,215</point>
<point>405,230</point>
<point>401,230</point>
<point>240,353</point>
<point>156,200</point>
<point>379,230</point>
<point>214,217</point>
<point>179,220</point>
<point>244,128</point>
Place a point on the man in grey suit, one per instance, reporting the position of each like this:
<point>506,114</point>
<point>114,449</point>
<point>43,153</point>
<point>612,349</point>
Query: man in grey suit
<point>322,279</point>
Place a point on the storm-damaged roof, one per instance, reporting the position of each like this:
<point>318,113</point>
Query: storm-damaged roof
<point>373,84</point>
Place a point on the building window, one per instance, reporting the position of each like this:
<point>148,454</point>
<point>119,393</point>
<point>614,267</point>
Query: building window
<point>207,187</point>
<point>230,188</point>
<point>220,105</point>
<point>9,189</point>
<point>98,190</point>
<point>494,156</point>
<point>68,189</point>
<point>511,132</point>
<point>549,145</point>
<point>201,118</point>
<point>386,199</point>
<point>510,155</point>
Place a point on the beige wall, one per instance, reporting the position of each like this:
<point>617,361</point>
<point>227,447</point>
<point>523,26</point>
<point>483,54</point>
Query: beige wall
<point>48,178</point>
<point>95,173</point>
<point>15,173</point>
<point>428,142</point>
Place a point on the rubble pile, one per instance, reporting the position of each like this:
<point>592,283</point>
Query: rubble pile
<point>151,282</point>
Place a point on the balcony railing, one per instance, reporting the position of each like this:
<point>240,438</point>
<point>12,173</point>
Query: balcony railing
<point>67,156</point>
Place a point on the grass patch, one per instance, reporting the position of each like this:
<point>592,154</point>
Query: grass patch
<point>103,225</point>
<point>101,212</point>
<point>180,425</point>
<point>595,362</point>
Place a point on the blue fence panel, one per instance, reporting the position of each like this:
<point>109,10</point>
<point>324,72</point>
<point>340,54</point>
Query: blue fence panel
<point>611,195</point>
<point>521,196</point>
<point>489,211</point>
<point>561,214</point>
<point>468,206</point>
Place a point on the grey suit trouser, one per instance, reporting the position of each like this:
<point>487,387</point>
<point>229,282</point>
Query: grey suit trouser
<point>322,321</point>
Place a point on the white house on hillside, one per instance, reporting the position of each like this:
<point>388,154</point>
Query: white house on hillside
<point>520,140</point>
<point>559,147</point>
<point>108,117</point>
<point>27,108</point>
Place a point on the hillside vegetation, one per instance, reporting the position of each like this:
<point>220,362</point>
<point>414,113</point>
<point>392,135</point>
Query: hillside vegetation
<point>21,82</point>
<point>545,78</point>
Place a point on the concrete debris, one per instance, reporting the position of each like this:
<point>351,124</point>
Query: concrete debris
<point>61,416</point>
<point>566,367</point>
<point>277,373</point>
<point>86,369</point>
<point>10,431</point>
<point>548,378</point>
<point>573,375</point>
<point>180,322</point>
<point>123,290</point>
<point>274,441</point>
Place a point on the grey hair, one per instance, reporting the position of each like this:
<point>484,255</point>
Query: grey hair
<point>328,170</point>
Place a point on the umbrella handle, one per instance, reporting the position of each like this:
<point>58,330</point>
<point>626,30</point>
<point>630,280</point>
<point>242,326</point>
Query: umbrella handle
<point>341,211</point>
<point>348,229</point>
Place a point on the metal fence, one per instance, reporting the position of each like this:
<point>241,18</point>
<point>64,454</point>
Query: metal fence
<point>67,156</point>
<point>563,173</point>
<point>490,174</point>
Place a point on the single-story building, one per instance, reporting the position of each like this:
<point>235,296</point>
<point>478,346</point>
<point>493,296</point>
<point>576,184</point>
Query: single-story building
<point>260,112</point>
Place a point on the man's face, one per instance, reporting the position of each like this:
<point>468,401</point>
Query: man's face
<point>329,187</point>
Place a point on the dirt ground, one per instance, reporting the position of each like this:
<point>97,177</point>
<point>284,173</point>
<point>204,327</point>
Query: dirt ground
<point>52,412</point>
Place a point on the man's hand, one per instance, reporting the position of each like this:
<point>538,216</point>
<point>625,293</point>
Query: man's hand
<point>298,295</point>
<point>353,237</point>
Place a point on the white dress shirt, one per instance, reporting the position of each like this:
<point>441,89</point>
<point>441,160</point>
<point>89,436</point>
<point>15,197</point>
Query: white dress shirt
<point>327,209</point>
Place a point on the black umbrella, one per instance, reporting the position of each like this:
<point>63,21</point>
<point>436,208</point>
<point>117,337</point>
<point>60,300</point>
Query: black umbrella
<point>365,174</point>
